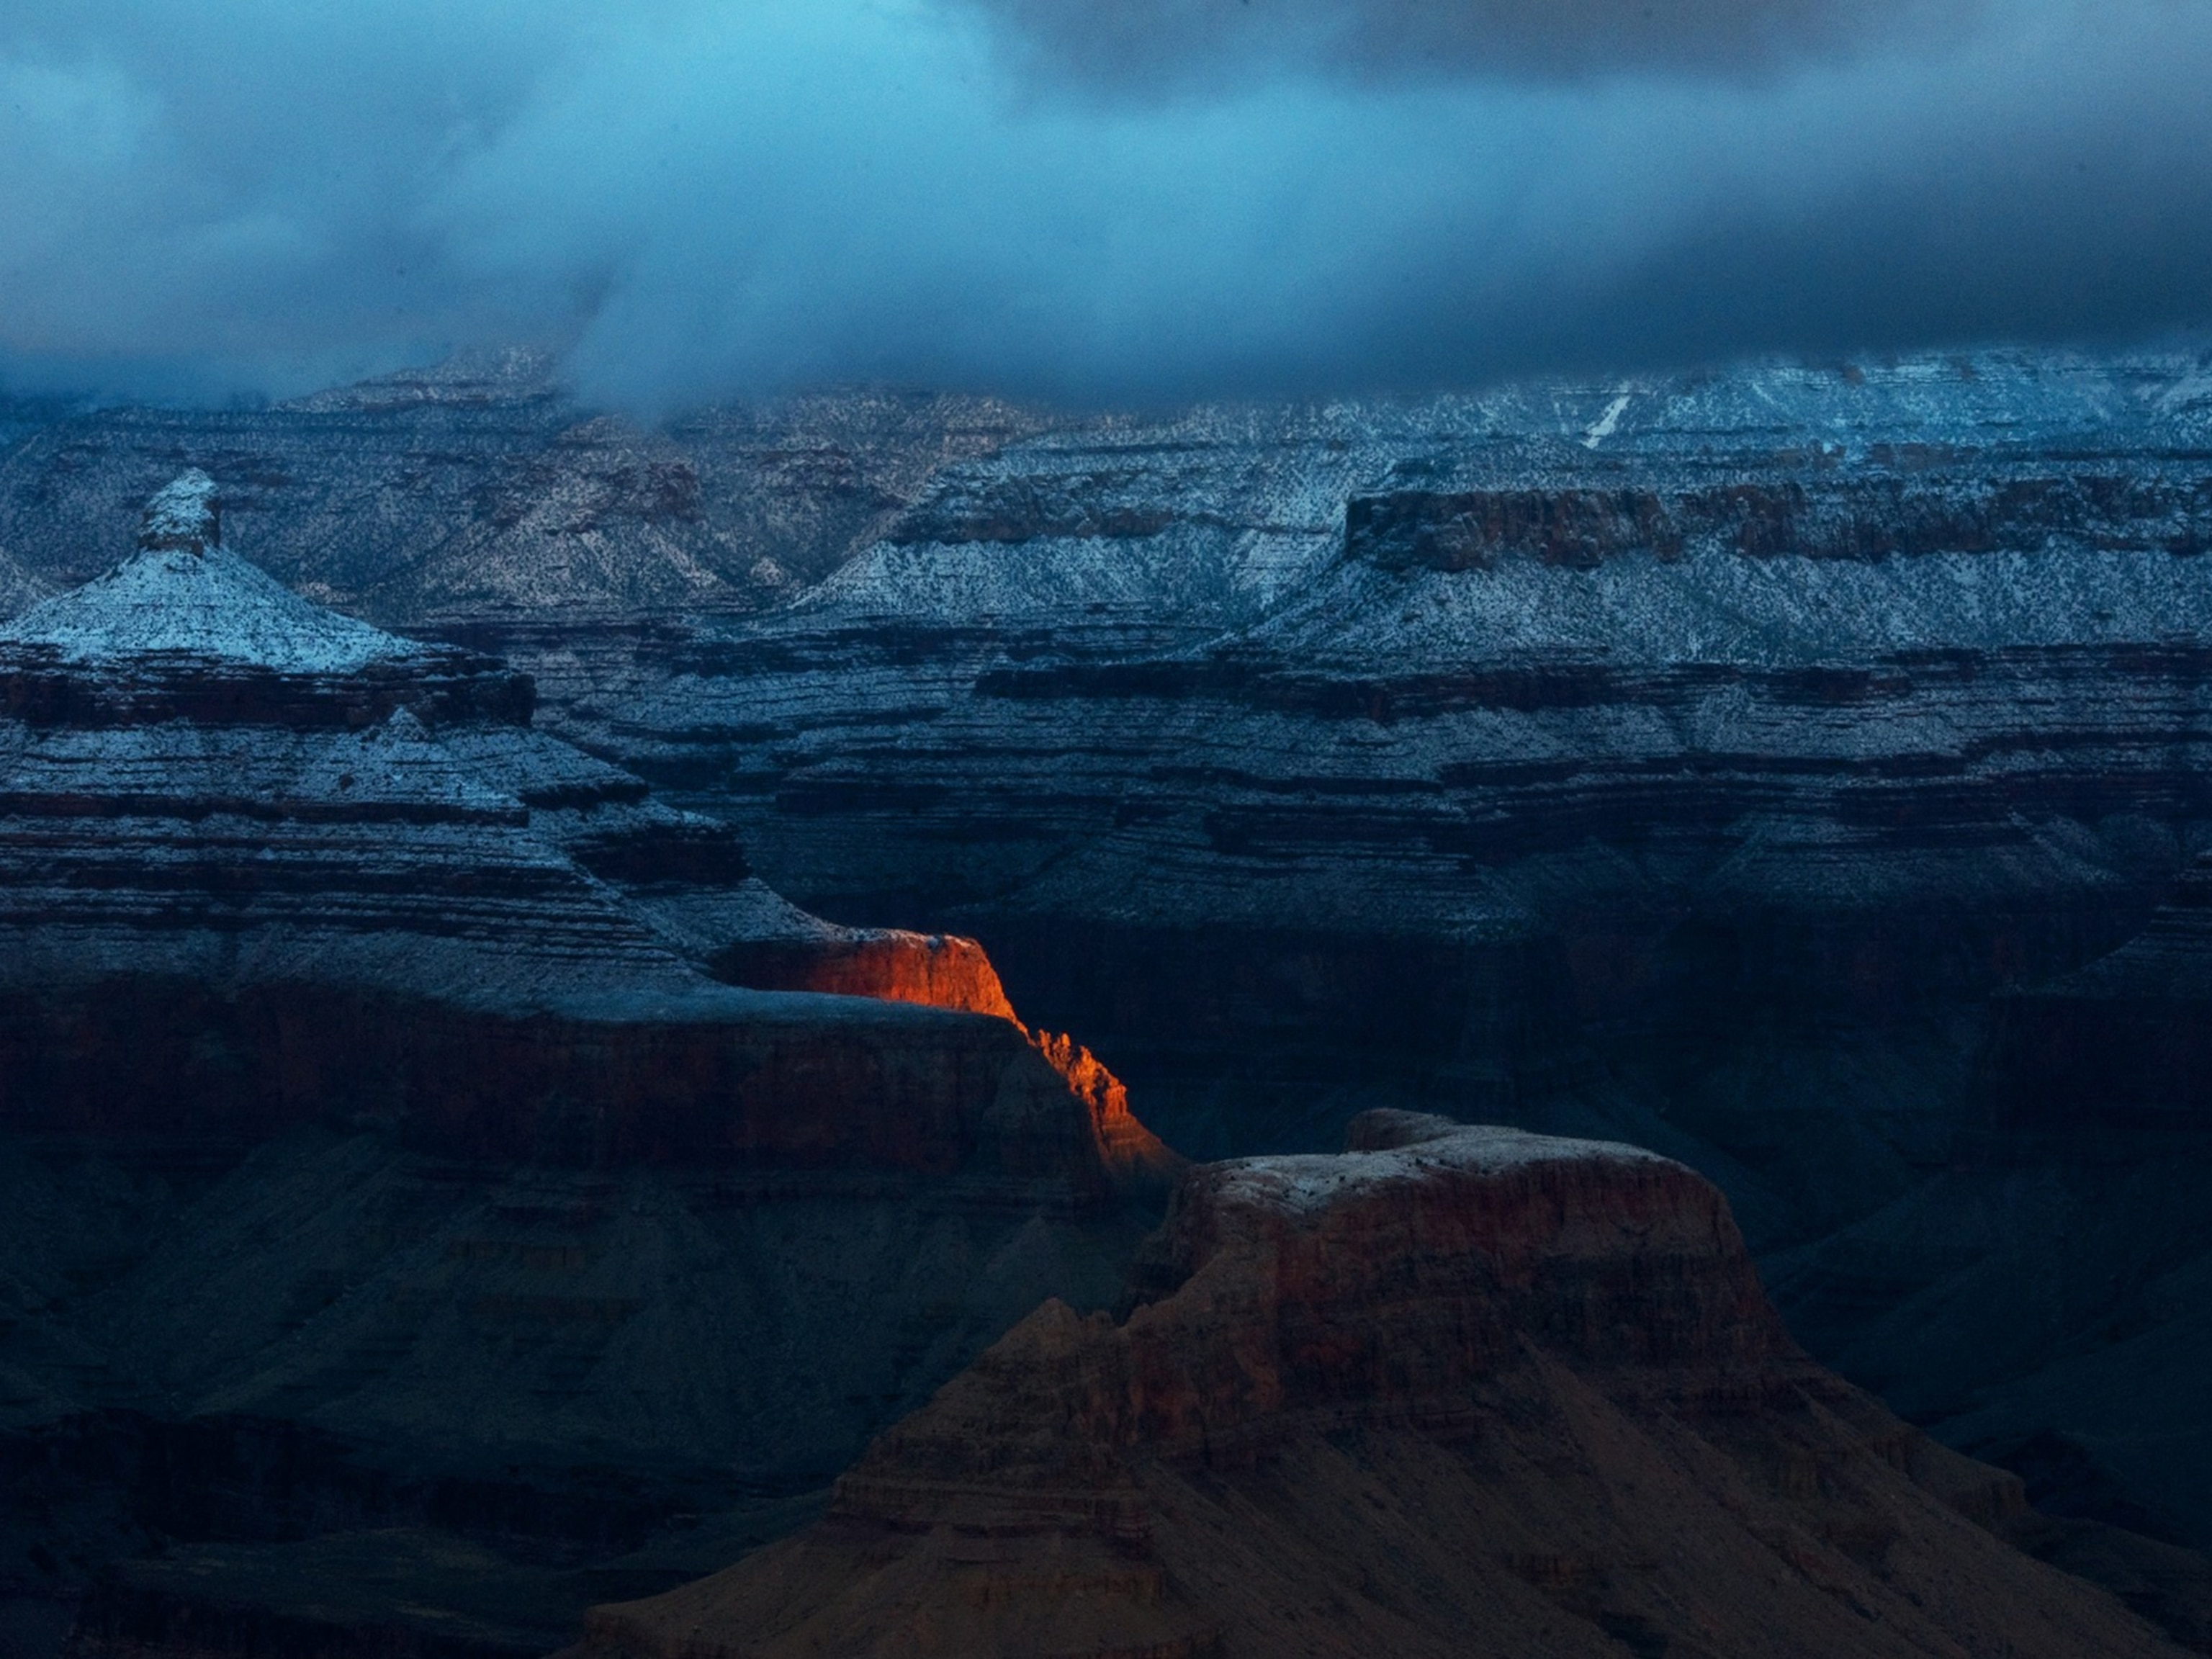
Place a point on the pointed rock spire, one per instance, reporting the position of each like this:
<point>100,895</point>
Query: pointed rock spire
<point>184,629</point>
<point>182,516</point>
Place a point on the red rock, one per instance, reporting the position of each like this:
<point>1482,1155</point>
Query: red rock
<point>941,970</point>
<point>1467,1391</point>
<point>798,952</point>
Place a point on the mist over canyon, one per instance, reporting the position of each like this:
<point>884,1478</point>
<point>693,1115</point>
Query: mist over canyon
<point>1137,203</point>
<point>848,1022</point>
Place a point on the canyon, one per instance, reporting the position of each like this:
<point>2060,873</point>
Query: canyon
<point>1797,770</point>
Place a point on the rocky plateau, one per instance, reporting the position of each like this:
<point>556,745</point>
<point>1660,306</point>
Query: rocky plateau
<point>1458,1391</point>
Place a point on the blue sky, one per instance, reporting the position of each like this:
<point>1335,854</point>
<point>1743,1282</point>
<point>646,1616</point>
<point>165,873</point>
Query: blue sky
<point>1068,198</point>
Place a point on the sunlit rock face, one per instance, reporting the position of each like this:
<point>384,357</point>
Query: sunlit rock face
<point>1688,761</point>
<point>1411,744</point>
<point>941,970</point>
<point>1461,1391</point>
<point>387,1153</point>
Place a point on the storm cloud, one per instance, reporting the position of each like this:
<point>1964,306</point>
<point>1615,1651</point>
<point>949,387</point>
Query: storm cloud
<point>694,200</point>
<point>1181,46</point>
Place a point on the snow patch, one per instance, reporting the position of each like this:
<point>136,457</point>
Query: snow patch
<point>1303,1183</point>
<point>181,517</point>
<point>1602,428</point>
<point>176,602</point>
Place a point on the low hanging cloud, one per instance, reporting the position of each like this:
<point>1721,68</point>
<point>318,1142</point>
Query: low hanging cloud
<point>694,200</point>
<point>1165,46</point>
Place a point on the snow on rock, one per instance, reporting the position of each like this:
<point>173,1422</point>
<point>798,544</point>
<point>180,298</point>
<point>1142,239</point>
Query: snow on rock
<point>1306,1182</point>
<point>182,516</point>
<point>1541,1408</point>
<point>234,824</point>
<point>182,595</point>
<point>19,589</point>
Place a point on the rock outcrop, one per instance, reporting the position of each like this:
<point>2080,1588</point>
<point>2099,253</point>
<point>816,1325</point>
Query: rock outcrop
<point>1434,747</point>
<point>748,934</point>
<point>1461,1391</point>
<point>386,1150</point>
<point>1691,762</point>
<point>2047,1296</point>
<point>19,588</point>
<point>541,510</point>
<point>263,865</point>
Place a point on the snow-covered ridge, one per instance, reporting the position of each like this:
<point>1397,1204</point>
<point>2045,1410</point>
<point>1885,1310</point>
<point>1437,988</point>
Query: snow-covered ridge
<point>168,602</point>
<point>182,597</point>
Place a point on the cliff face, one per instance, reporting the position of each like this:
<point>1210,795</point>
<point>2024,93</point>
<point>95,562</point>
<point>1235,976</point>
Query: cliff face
<point>2119,1041</point>
<point>2046,1295</point>
<point>264,864</point>
<point>1469,1392</point>
<point>539,506</point>
<point>382,1152</point>
<point>1421,743</point>
<point>19,588</point>
<point>943,970</point>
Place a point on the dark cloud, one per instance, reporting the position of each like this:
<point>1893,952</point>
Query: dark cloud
<point>1172,45</point>
<point>693,200</point>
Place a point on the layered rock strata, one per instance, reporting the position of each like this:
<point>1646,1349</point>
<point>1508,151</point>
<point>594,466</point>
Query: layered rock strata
<point>383,1154</point>
<point>1685,760</point>
<point>1458,1391</point>
<point>264,864</point>
<point>476,490</point>
<point>1690,761</point>
<point>1440,738</point>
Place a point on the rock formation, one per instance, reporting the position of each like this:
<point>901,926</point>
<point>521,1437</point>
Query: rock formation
<point>1460,1391</point>
<point>477,493</point>
<point>19,588</point>
<point>2045,1295</point>
<point>263,863</point>
<point>1691,762</point>
<point>382,1151</point>
<point>2121,1041</point>
<point>1863,694</point>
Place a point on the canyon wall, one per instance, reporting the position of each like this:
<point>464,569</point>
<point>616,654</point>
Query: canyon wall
<point>392,1182</point>
<point>1738,764</point>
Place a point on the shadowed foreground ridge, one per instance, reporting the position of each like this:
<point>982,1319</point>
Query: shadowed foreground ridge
<point>1458,1391</point>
